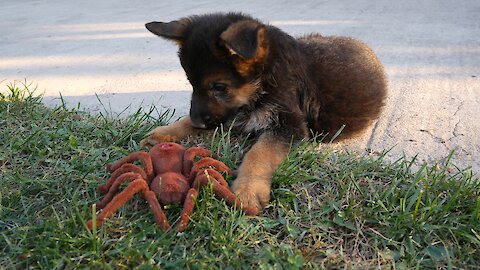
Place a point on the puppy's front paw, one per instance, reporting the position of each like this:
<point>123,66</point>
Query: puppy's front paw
<point>154,139</point>
<point>254,194</point>
<point>158,135</point>
<point>171,133</point>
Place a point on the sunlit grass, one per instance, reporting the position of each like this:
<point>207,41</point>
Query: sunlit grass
<point>329,209</point>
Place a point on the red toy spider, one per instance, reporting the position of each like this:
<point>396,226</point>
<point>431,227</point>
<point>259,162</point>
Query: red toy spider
<point>168,175</point>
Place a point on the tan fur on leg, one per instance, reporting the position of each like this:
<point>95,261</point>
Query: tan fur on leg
<point>252,185</point>
<point>169,133</point>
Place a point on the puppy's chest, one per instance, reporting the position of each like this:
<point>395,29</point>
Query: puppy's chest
<point>256,120</point>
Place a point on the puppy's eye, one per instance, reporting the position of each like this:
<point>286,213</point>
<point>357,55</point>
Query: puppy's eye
<point>218,87</point>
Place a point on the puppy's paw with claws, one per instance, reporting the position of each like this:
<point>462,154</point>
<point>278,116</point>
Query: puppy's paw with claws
<point>254,195</point>
<point>156,138</point>
<point>170,133</point>
<point>160,135</point>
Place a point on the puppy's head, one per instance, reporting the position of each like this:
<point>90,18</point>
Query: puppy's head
<point>223,56</point>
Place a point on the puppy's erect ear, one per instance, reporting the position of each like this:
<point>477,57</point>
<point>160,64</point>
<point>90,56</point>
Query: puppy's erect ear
<point>246,39</point>
<point>174,30</point>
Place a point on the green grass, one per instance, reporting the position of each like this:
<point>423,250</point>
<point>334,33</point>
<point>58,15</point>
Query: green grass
<point>329,209</point>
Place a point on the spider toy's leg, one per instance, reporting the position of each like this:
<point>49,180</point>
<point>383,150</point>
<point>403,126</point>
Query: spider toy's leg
<point>143,157</point>
<point>190,155</point>
<point>209,162</point>
<point>208,176</point>
<point>156,209</point>
<point>216,176</point>
<point>125,168</point>
<point>187,210</point>
<point>200,182</point>
<point>138,185</point>
<point>128,176</point>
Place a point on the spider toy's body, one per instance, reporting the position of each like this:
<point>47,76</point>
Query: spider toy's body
<point>168,175</point>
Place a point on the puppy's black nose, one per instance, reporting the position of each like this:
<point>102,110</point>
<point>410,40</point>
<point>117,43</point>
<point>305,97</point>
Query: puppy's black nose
<point>199,125</point>
<point>200,122</point>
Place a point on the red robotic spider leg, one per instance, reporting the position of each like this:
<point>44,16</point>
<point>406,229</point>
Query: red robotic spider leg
<point>138,185</point>
<point>220,187</point>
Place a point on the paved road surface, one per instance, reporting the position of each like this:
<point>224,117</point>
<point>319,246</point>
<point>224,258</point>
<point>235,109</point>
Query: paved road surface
<point>90,50</point>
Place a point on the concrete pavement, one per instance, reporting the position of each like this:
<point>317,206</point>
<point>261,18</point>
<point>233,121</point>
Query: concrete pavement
<point>90,50</point>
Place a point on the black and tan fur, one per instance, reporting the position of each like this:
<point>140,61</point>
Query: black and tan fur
<point>275,86</point>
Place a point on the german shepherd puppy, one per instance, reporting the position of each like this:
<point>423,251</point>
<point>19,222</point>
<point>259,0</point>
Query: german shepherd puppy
<point>275,86</point>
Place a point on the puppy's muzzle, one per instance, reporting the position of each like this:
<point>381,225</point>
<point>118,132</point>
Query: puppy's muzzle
<point>204,122</point>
